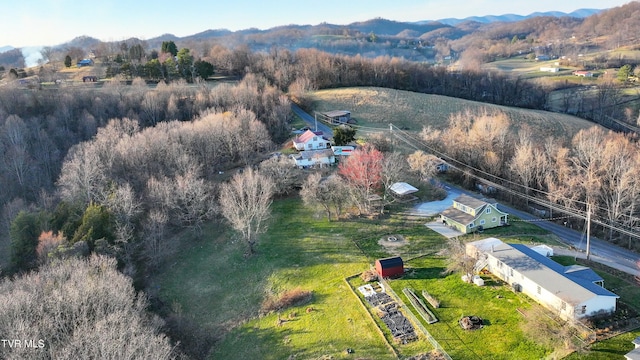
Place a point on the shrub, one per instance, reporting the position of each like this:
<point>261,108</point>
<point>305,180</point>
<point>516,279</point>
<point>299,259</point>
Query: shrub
<point>287,299</point>
<point>369,275</point>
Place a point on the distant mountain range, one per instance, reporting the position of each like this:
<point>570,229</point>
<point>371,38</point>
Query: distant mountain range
<point>450,28</point>
<point>581,13</point>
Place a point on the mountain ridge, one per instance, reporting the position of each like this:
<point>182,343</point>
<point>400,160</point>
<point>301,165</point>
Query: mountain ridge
<point>487,19</point>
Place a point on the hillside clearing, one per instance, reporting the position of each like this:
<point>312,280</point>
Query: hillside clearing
<point>377,107</point>
<point>213,285</point>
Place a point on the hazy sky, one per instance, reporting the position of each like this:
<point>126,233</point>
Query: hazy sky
<point>52,22</point>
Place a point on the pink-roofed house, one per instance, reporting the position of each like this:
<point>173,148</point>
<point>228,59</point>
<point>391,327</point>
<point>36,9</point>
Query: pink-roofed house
<point>310,140</point>
<point>583,73</point>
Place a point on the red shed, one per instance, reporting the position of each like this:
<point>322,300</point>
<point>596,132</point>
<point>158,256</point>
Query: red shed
<point>390,267</point>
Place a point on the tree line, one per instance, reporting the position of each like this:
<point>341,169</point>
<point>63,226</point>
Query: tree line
<point>116,170</point>
<point>596,168</point>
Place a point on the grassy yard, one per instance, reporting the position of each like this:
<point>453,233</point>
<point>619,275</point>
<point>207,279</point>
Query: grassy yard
<point>377,107</point>
<point>496,304</point>
<point>211,283</point>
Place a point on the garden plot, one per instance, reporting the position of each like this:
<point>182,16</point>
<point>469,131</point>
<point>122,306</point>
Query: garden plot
<point>389,312</point>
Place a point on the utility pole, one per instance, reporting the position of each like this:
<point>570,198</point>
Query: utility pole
<point>315,116</point>
<point>588,230</point>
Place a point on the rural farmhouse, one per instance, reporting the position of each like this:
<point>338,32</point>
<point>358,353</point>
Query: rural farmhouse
<point>311,158</point>
<point>573,292</point>
<point>469,214</point>
<point>310,140</point>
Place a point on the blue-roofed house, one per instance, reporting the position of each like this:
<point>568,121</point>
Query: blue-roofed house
<point>85,62</point>
<point>573,292</point>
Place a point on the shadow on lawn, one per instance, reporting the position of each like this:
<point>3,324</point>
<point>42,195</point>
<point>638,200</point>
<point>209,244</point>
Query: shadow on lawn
<point>424,273</point>
<point>267,343</point>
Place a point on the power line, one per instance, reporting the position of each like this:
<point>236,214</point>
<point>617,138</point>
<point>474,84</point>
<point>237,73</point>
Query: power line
<point>468,170</point>
<point>497,181</point>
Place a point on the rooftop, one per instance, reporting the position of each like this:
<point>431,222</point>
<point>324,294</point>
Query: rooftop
<point>402,188</point>
<point>458,216</point>
<point>310,154</point>
<point>470,201</point>
<point>573,284</point>
<point>306,136</point>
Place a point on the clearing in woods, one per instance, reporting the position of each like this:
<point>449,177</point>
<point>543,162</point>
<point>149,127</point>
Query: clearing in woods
<point>377,107</point>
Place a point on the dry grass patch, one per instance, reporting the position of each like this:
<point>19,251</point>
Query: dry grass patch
<point>372,106</point>
<point>287,299</point>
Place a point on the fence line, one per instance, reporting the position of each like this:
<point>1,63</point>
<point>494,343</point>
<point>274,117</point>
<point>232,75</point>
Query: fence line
<point>391,348</point>
<point>415,320</point>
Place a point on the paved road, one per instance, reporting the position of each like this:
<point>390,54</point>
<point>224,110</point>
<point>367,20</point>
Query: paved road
<point>601,251</point>
<point>311,122</point>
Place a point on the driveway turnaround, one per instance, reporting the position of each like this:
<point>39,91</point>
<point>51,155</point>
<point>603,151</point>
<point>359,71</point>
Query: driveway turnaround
<point>443,229</point>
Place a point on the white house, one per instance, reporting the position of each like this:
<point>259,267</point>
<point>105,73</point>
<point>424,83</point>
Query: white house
<point>310,140</point>
<point>549,69</point>
<point>573,292</point>
<point>313,157</point>
<point>583,73</point>
<point>635,353</point>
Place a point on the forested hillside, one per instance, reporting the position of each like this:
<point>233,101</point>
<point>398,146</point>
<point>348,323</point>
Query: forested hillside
<point>128,156</point>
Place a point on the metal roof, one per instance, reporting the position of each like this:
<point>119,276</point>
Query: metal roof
<point>458,216</point>
<point>310,154</point>
<point>306,136</point>
<point>470,201</point>
<point>337,113</point>
<point>402,188</point>
<point>391,262</point>
<point>574,285</point>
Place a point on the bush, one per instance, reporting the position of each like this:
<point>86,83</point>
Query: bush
<point>289,298</point>
<point>369,275</point>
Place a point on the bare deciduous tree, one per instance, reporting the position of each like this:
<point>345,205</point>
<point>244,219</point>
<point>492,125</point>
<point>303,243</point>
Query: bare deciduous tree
<point>457,258</point>
<point>154,237</point>
<point>245,202</point>
<point>283,173</point>
<point>79,309</point>
<point>82,177</point>
<point>330,193</point>
<point>424,164</point>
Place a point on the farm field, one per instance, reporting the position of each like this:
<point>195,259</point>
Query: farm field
<point>212,284</point>
<point>377,107</point>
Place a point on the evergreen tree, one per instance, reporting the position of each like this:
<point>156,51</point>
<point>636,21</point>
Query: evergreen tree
<point>185,61</point>
<point>67,61</point>
<point>24,232</point>
<point>169,47</point>
<point>203,69</point>
<point>96,225</point>
<point>342,135</point>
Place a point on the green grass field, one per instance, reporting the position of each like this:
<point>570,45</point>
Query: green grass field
<point>211,283</point>
<point>377,107</point>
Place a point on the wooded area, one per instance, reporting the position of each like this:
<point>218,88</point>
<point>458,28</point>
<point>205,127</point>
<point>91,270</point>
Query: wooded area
<point>117,169</point>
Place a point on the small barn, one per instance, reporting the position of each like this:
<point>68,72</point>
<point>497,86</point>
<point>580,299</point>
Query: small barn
<point>390,267</point>
<point>338,116</point>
